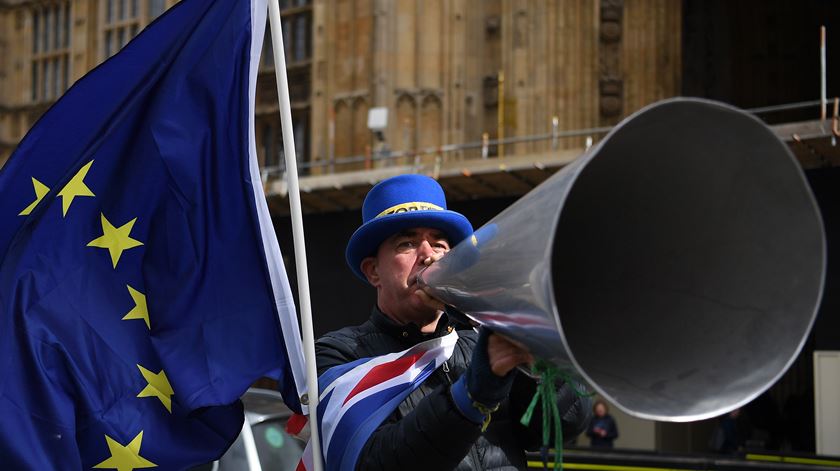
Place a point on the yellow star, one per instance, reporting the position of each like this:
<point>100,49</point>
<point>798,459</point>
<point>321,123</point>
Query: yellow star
<point>41,190</point>
<point>115,239</point>
<point>158,387</point>
<point>75,187</point>
<point>125,458</point>
<point>139,311</point>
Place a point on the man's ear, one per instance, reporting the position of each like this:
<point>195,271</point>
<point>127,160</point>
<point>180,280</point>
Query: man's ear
<point>369,269</point>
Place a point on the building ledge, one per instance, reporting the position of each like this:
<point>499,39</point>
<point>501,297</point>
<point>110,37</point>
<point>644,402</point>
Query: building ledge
<point>810,141</point>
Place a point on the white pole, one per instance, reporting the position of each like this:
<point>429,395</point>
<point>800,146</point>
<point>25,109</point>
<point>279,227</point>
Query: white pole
<point>297,229</point>
<point>823,99</point>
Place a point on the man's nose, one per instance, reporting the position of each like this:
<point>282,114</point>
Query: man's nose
<point>425,250</point>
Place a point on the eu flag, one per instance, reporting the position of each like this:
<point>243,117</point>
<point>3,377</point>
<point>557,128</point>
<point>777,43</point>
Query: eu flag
<point>141,284</point>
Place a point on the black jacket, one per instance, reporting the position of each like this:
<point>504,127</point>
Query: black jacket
<point>606,423</point>
<point>427,432</point>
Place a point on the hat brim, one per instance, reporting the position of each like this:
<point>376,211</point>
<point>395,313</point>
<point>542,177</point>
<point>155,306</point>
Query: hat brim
<point>367,238</point>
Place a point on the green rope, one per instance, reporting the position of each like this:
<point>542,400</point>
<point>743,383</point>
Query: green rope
<point>546,394</point>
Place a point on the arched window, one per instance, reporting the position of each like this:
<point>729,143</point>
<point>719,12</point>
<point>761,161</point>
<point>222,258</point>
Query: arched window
<point>361,133</point>
<point>407,135</point>
<point>430,122</point>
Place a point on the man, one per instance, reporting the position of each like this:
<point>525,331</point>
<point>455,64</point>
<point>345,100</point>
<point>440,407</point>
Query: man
<point>465,415</point>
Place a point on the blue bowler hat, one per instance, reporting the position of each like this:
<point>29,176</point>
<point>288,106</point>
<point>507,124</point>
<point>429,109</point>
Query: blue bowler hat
<point>400,203</point>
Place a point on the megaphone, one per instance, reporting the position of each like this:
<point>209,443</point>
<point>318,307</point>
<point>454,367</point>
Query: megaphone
<point>676,267</point>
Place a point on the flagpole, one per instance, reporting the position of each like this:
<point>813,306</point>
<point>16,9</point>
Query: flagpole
<point>297,228</point>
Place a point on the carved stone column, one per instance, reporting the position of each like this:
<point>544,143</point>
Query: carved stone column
<point>610,79</point>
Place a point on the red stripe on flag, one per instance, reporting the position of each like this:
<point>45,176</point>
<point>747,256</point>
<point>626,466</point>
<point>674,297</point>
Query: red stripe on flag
<point>296,423</point>
<point>384,372</point>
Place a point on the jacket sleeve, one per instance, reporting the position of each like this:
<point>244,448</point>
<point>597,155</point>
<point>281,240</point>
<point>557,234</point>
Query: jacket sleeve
<point>612,433</point>
<point>574,404</point>
<point>331,352</point>
<point>432,436</point>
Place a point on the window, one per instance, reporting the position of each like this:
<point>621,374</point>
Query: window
<point>156,8</point>
<point>123,19</point>
<point>301,41</point>
<point>268,51</point>
<point>276,449</point>
<point>287,37</point>
<point>121,23</point>
<point>269,156</point>
<point>297,26</point>
<point>296,22</point>
<point>50,66</point>
<point>300,128</point>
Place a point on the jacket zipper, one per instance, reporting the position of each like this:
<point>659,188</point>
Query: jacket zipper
<point>445,367</point>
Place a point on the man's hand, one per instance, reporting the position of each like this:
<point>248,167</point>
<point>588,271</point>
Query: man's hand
<point>488,378</point>
<point>505,355</point>
<point>490,374</point>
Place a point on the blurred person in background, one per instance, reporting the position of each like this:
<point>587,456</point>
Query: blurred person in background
<point>730,434</point>
<point>602,430</point>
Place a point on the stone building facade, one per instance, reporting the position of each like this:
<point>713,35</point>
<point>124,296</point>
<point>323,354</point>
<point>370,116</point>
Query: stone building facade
<point>45,46</point>
<point>448,71</point>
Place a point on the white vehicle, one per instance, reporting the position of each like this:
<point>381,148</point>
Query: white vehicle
<point>263,443</point>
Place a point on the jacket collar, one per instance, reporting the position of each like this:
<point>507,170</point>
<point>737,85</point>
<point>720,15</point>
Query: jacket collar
<point>408,333</point>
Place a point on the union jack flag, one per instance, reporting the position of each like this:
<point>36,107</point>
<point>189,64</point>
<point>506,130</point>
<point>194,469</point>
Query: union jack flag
<point>356,397</point>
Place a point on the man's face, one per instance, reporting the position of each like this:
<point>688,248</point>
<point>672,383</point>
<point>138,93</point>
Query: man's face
<point>393,272</point>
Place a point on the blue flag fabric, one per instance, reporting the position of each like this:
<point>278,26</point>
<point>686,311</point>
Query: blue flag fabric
<point>141,284</point>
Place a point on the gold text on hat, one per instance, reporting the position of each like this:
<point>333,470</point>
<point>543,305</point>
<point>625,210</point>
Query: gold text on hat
<point>410,206</point>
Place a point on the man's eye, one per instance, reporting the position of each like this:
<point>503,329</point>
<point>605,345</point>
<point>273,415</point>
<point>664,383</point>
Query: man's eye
<point>407,244</point>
